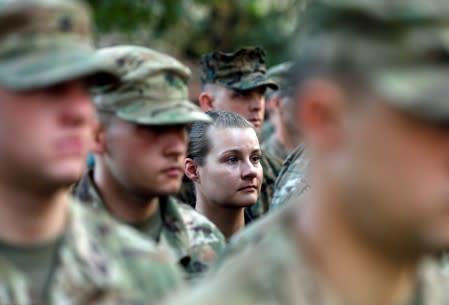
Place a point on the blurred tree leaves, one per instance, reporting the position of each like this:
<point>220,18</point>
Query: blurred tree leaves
<point>189,28</point>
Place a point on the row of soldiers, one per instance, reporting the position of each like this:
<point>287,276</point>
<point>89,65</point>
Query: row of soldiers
<point>128,240</point>
<point>365,195</point>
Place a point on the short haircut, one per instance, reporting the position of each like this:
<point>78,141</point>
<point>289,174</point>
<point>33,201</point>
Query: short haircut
<point>199,142</point>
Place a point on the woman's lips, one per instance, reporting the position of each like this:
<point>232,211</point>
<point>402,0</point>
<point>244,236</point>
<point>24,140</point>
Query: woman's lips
<point>248,188</point>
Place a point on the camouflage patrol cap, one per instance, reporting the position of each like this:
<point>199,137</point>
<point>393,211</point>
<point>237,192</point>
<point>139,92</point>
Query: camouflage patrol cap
<point>44,42</point>
<point>152,88</point>
<point>242,70</point>
<point>400,47</point>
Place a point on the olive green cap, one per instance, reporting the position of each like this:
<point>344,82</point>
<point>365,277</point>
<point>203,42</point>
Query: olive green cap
<point>45,42</point>
<point>152,88</point>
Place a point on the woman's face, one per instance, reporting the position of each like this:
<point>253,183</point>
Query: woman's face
<point>231,175</point>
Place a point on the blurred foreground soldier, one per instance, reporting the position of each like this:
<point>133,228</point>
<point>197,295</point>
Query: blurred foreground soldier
<point>140,149</point>
<point>284,114</point>
<point>236,82</point>
<point>374,116</point>
<point>53,250</point>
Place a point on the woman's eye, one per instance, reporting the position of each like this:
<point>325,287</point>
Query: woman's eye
<point>232,160</point>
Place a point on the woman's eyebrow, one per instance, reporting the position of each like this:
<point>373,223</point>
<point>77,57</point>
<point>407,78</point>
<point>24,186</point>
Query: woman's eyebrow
<point>235,151</point>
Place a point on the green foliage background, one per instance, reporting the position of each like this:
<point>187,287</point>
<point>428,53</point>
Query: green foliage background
<point>189,28</point>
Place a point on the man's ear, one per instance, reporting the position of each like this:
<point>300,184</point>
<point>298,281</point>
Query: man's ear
<point>191,170</point>
<point>206,101</point>
<point>321,112</point>
<point>99,142</point>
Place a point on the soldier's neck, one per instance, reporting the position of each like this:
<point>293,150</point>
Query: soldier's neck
<point>358,270</point>
<point>27,218</point>
<point>122,204</point>
<point>228,220</point>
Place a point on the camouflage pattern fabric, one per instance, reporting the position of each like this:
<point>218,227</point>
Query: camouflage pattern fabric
<point>266,131</point>
<point>45,42</point>
<point>292,179</point>
<point>99,262</point>
<point>151,90</point>
<point>272,146</point>
<point>271,168</point>
<point>194,240</point>
<point>243,69</point>
<point>273,269</point>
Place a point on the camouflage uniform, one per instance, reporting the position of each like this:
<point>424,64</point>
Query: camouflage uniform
<point>152,90</point>
<point>44,42</point>
<point>273,269</point>
<point>241,70</point>
<point>402,47</point>
<point>97,260</point>
<point>273,147</point>
<point>194,240</point>
<point>292,180</point>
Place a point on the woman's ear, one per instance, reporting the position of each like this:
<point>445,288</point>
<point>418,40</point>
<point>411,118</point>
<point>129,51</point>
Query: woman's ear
<point>191,170</point>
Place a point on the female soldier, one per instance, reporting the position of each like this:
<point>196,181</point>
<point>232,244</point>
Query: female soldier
<point>223,161</point>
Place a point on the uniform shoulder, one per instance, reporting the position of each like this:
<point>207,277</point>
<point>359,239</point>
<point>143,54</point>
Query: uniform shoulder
<point>254,275</point>
<point>202,240</point>
<point>198,225</point>
<point>107,229</point>
<point>295,155</point>
<point>119,240</point>
<point>292,180</point>
<point>190,215</point>
<point>135,258</point>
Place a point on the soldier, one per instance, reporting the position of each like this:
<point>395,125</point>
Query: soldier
<point>140,149</point>
<point>226,152</point>
<point>236,82</point>
<point>374,115</point>
<point>284,115</point>
<point>52,249</point>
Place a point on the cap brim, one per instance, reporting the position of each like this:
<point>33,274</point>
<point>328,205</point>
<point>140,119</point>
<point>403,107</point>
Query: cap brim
<point>167,113</point>
<point>420,91</point>
<point>249,82</point>
<point>49,67</point>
